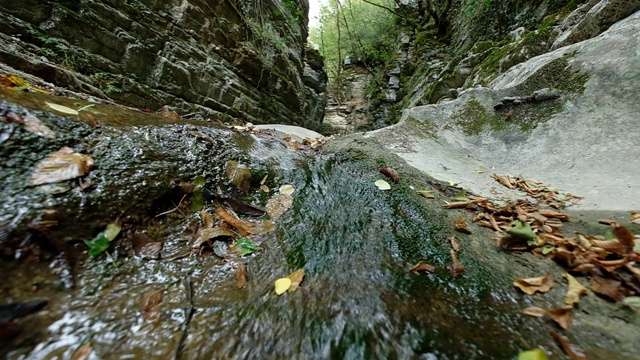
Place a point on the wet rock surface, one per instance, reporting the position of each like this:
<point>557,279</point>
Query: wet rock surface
<point>212,58</point>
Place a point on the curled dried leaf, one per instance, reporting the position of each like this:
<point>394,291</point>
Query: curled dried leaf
<point>504,180</point>
<point>207,219</point>
<point>461,225</point>
<point>392,174</point>
<point>635,217</point>
<point>534,311</point>
<point>562,316</point>
<point>532,285</point>
<point>454,243</point>
<point>296,278</point>
<point>423,266</point>
<point>575,290</point>
<point>623,235</point>
<point>61,165</point>
<point>456,268</point>
<point>206,234</point>
<point>570,349</point>
<point>241,276</point>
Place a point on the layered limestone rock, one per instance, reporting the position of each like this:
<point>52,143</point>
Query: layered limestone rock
<point>205,58</point>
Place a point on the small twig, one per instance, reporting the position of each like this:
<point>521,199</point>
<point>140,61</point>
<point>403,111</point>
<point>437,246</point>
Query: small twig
<point>175,208</point>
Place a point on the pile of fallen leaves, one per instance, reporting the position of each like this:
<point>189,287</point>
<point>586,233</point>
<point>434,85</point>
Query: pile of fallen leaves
<point>610,262</point>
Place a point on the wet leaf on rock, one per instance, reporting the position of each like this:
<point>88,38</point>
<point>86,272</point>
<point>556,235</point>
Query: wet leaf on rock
<point>278,205</point>
<point>575,290</point>
<point>609,289</point>
<point>151,305</point>
<point>423,266</point>
<point>522,231</point>
<point>83,352</point>
<point>34,125</point>
<point>61,165</point>
<point>461,225</point>
<point>296,278</point>
<point>197,194</point>
<point>427,194</point>
<point>454,243</point>
<point>456,268</point>
<point>207,220</point>
<point>287,189</point>
<point>570,349</point>
<point>383,185</point>
<point>61,108</point>
<point>245,227</point>
<point>246,246</point>
<point>532,285</point>
<point>145,247</point>
<point>632,302</point>
<point>537,354</point>
<point>534,311</point>
<point>101,242</point>
<point>239,175</point>
<point>282,285</point>
<point>562,316</point>
<point>243,207</point>
<point>241,276</point>
<point>392,174</point>
<point>207,234</point>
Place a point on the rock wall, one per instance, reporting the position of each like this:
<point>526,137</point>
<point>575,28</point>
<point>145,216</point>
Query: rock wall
<point>209,58</point>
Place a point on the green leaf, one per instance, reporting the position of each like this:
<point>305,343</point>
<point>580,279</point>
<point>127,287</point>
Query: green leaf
<point>521,231</point>
<point>547,249</point>
<point>537,354</point>
<point>632,302</point>
<point>246,245</point>
<point>102,241</point>
<point>608,235</point>
<point>461,196</point>
<point>197,197</point>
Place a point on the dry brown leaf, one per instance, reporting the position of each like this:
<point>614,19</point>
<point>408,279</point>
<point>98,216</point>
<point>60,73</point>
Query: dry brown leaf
<point>145,247</point>
<point>34,125</point>
<point>611,265</point>
<point>423,266</point>
<point>458,205</point>
<point>454,243</point>
<point>207,219</point>
<point>245,227</point>
<point>239,175</point>
<point>570,349</point>
<point>554,214</point>
<point>504,180</point>
<point>461,225</point>
<point>609,289</point>
<point>278,205</point>
<point>241,276</point>
<point>296,278</point>
<point>534,311</point>
<point>635,217</point>
<point>61,165</point>
<point>166,112</point>
<point>532,285</point>
<point>208,234</point>
<point>83,352</point>
<point>392,174</point>
<point>575,290</point>
<point>625,236</point>
<point>455,268</point>
<point>562,316</point>
<point>151,305</point>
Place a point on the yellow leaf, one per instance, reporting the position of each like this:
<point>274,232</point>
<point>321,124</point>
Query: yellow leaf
<point>61,108</point>
<point>480,170</point>
<point>575,290</point>
<point>287,189</point>
<point>383,185</point>
<point>452,183</point>
<point>282,285</point>
<point>537,354</point>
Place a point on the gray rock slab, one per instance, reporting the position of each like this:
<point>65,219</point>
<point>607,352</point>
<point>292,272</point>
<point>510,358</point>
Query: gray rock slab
<point>589,148</point>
